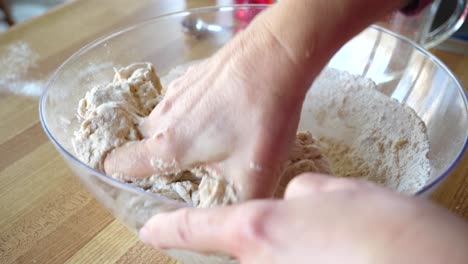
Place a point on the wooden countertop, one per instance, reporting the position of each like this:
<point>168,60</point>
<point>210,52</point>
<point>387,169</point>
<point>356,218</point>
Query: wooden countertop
<point>46,216</point>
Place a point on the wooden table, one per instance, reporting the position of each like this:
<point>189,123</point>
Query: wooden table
<point>46,216</point>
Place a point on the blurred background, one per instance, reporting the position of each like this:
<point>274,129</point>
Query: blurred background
<point>18,11</point>
<point>459,41</point>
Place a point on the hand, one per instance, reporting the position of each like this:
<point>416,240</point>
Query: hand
<point>322,220</point>
<point>235,113</point>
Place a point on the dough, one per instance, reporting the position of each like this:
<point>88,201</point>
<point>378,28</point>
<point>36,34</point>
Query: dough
<point>110,116</point>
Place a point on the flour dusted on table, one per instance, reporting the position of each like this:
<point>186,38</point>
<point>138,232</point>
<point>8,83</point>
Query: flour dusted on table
<point>17,60</point>
<point>365,133</point>
<point>110,116</point>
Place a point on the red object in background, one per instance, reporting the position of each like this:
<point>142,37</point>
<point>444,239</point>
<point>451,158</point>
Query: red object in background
<point>255,1</point>
<point>244,16</point>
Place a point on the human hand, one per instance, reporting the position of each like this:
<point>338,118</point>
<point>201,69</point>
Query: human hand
<point>236,114</point>
<point>322,220</point>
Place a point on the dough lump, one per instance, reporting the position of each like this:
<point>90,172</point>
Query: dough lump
<point>111,114</point>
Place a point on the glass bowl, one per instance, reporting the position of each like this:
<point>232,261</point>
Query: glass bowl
<point>400,68</point>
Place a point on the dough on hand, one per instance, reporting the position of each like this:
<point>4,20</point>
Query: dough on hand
<point>110,116</point>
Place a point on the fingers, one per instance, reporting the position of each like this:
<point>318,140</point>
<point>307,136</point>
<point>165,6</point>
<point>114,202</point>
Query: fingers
<point>141,159</point>
<point>231,230</point>
<point>201,230</point>
<point>311,183</point>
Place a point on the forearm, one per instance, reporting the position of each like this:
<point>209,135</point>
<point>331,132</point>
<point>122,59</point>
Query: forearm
<point>311,31</point>
<point>315,26</point>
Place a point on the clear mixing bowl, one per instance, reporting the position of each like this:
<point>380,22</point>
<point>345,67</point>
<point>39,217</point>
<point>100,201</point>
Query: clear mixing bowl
<point>401,69</point>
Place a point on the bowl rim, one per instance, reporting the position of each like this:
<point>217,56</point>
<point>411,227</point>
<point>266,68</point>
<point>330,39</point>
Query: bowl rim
<point>100,40</point>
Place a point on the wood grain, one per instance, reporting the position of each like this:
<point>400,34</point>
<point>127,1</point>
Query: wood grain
<point>46,216</point>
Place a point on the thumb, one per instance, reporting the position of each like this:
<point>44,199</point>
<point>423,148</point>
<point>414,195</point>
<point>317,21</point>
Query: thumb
<point>203,230</point>
<point>142,158</point>
<point>226,230</point>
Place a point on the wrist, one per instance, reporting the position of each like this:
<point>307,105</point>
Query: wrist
<point>312,31</point>
<point>254,54</point>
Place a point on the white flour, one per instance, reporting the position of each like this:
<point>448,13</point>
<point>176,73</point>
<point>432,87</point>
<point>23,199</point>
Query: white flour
<point>16,60</point>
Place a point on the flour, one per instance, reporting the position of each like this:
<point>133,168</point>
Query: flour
<point>364,133</point>
<point>16,61</point>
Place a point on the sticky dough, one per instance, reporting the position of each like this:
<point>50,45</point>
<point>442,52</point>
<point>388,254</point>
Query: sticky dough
<point>110,116</point>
